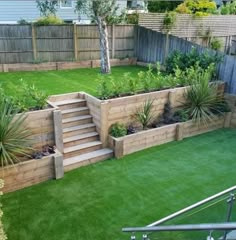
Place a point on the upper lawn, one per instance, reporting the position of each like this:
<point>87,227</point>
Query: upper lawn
<point>95,202</point>
<point>63,81</point>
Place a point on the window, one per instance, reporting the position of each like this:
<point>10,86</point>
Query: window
<point>66,3</point>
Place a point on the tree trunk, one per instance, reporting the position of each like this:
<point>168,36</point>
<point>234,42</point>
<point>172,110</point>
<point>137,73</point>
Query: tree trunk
<point>104,46</point>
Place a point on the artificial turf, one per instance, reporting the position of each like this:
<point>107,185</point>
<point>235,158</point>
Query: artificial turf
<point>63,81</point>
<point>96,201</point>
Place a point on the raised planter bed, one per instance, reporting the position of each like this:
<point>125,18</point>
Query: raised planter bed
<point>62,65</point>
<point>157,136</point>
<point>107,112</point>
<point>31,172</point>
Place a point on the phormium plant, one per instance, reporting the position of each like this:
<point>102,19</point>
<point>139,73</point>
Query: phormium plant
<point>14,136</point>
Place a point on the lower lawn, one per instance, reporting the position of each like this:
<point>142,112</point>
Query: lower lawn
<point>63,81</point>
<point>95,202</point>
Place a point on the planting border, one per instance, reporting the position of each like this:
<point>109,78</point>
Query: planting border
<point>157,136</point>
<point>31,172</point>
<point>13,67</point>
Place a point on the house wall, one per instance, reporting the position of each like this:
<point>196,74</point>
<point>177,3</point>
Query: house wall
<point>13,10</point>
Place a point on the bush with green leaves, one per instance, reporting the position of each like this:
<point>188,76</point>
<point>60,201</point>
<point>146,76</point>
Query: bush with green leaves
<point>14,135</point>
<point>104,90</point>
<point>118,130</point>
<point>228,9</point>
<point>144,114</point>
<point>186,60</point>
<point>49,20</point>
<point>198,8</point>
<point>216,44</point>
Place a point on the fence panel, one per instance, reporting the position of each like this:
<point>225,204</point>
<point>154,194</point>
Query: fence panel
<point>26,43</point>
<point>151,47</point>
<point>15,44</point>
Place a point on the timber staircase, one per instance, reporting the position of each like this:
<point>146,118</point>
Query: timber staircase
<point>80,139</point>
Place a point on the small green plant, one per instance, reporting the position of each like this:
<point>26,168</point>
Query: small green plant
<point>103,89</point>
<point>132,83</point>
<point>144,114</point>
<point>118,86</point>
<point>216,44</point>
<point>146,78</point>
<point>14,136</point>
<point>169,21</point>
<point>49,20</point>
<point>181,115</point>
<point>118,130</point>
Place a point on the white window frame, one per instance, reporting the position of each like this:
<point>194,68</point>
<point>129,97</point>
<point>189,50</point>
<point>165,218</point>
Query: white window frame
<point>62,7</point>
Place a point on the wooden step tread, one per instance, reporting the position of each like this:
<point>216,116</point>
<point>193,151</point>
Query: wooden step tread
<point>79,137</point>
<point>72,110</point>
<point>69,101</point>
<point>73,119</point>
<point>80,127</point>
<point>82,146</point>
<point>87,156</point>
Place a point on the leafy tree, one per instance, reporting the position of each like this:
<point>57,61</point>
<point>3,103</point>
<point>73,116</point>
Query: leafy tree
<point>100,11</point>
<point>162,6</point>
<point>47,7</point>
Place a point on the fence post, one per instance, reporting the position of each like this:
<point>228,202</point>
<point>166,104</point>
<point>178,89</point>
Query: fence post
<point>57,121</point>
<point>166,46</point>
<point>34,44</point>
<point>75,43</point>
<point>113,39</point>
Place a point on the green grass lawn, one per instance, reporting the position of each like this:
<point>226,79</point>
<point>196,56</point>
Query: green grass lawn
<point>63,81</point>
<point>95,202</point>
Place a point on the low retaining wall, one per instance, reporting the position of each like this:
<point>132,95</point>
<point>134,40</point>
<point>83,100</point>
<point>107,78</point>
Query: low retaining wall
<point>31,172</point>
<point>107,112</point>
<point>157,136</point>
<point>231,99</point>
<point>62,65</point>
<point>40,125</point>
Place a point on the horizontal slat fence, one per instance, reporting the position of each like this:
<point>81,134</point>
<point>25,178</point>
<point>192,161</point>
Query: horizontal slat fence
<point>152,46</point>
<point>195,29</point>
<point>26,43</point>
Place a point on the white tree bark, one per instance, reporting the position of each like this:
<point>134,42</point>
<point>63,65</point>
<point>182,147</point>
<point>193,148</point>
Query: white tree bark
<point>104,45</point>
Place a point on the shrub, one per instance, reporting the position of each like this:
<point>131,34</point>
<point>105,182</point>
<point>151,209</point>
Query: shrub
<point>132,18</point>
<point>118,86</point>
<point>187,60</point>
<point>132,83</point>
<point>146,79</point>
<point>203,100</point>
<point>216,44</point>
<point>14,137</point>
<point>35,97</point>
<point>197,7</point>
<point>48,20</point>
<point>118,130</point>
<point>144,114</point>
<point>103,89</point>
<point>169,21</point>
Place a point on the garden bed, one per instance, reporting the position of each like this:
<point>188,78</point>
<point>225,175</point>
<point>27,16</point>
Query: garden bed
<point>107,112</point>
<point>157,136</point>
<point>28,173</point>
<point>62,65</point>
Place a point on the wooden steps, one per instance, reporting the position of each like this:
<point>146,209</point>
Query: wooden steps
<point>80,138</point>
<point>87,158</point>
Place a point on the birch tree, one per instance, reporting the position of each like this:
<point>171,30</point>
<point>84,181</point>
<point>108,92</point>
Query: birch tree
<point>99,11</point>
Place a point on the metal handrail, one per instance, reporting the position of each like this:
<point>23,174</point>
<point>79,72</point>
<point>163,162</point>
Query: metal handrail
<point>188,227</point>
<point>192,207</point>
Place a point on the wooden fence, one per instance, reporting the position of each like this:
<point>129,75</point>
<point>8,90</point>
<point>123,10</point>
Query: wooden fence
<point>152,46</point>
<point>196,29</point>
<point>26,43</point>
